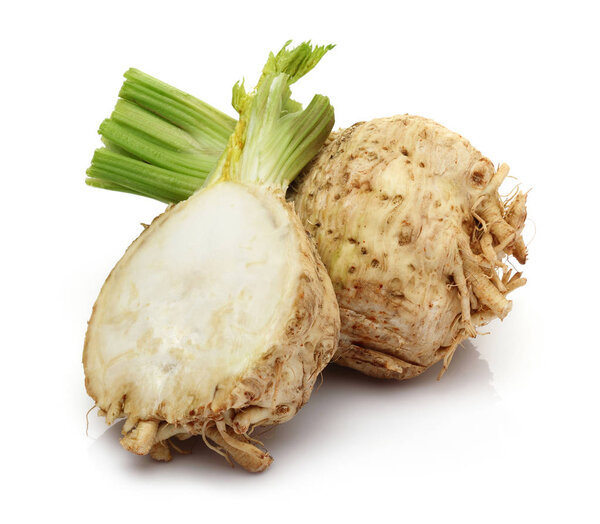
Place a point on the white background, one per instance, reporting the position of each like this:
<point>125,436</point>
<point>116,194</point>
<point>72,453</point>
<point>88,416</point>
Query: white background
<point>510,434</point>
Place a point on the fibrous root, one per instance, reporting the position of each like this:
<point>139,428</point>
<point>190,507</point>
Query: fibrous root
<point>146,437</point>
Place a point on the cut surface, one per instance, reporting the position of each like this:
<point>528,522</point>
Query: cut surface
<point>194,302</point>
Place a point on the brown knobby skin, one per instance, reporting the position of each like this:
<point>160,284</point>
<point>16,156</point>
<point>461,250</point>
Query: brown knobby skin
<point>271,388</point>
<point>409,223</point>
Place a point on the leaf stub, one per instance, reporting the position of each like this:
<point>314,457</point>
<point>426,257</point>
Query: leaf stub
<point>274,137</point>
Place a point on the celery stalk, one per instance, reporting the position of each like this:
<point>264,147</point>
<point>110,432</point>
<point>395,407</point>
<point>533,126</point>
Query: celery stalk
<point>155,125</point>
<point>163,143</point>
<point>206,124</point>
<point>131,175</point>
<point>274,138</point>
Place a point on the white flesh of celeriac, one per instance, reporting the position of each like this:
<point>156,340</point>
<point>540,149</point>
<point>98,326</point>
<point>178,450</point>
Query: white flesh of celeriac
<point>196,302</point>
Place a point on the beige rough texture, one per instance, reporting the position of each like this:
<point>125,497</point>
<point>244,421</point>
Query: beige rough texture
<point>269,391</point>
<point>409,223</point>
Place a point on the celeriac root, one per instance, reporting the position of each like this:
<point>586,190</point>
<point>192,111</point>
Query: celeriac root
<point>245,454</point>
<point>409,222</point>
<point>161,452</point>
<point>376,364</point>
<point>145,438</point>
<point>461,282</point>
<point>485,290</point>
<point>449,354</point>
<point>269,391</point>
<point>491,215</point>
<point>141,439</point>
<point>516,216</point>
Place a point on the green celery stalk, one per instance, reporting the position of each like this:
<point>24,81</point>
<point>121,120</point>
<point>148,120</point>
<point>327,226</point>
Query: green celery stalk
<point>160,133</point>
<point>113,170</point>
<point>206,124</point>
<point>163,143</point>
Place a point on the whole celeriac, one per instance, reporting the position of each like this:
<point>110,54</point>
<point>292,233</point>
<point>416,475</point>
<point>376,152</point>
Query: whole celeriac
<point>409,223</point>
<point>220,316</point>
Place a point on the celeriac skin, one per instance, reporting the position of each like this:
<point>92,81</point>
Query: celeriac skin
<point>408,221</point>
